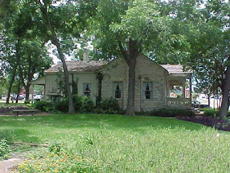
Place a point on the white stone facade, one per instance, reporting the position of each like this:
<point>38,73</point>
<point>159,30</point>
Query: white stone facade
<point>149,75</point>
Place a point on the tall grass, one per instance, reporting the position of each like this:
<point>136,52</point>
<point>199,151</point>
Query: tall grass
<point>115,143</point>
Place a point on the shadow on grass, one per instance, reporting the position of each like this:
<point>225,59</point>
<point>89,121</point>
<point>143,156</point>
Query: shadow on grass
<point>112,122</point>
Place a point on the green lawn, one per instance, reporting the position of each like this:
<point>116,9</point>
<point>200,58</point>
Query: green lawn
<point>115,143</point>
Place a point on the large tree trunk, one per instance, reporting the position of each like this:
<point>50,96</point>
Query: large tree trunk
<point>225,94</point>
<point>14,71</point>
<point>131,61</point>
<point>27,88</point>
<point>131,87</point>
<point>10,85</point>
<point>55,41</point>
<point>99,78</point>
<point>18,91</point>
<point>209,101</point>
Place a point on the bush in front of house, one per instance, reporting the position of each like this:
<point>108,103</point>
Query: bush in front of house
<point>77,100</point>
<point>110,106</point>
<point>61,105</point>
<point>83,104</point>
<point>43,105</point>
<point>172,112</point>
<point>87,105</point>
<point>211,112</point>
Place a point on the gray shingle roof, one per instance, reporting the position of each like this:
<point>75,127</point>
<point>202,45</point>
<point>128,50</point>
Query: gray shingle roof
<point>175,68</point>
<point>78,66</point>
<point>91,66</point>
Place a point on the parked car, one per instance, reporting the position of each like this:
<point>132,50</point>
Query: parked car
<point>3,97</point>
<point>198,104</point>
<point>38,97</point>
<point>20,97</point>
<point>195,104</point>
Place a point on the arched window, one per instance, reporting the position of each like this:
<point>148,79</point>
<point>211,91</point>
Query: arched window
<point>148,90</point>
<point>87,89</point>
<point>117,90</point>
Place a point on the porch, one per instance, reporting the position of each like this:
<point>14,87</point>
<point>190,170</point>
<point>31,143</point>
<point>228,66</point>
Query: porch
<point>179,92</point>
<point>184,103</point>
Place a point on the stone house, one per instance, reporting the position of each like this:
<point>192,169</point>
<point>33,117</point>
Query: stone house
<point>157,86</point>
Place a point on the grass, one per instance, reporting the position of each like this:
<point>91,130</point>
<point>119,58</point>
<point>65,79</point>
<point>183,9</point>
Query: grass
<point>116,143</point>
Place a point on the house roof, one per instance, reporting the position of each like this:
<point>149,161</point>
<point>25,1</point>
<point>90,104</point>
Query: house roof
<point>91,66</point>
<point>172,69</point>
<point>78,66</point>
<point>39,81</point>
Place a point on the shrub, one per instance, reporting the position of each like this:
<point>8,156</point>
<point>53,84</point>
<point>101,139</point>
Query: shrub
<point>110,105</point>
<point>172,112</point>
<point>44,106</point>
<point>4,148</point>
<point>61,105</point>
<point>210,112</point>
<point>87,105</point>
<point>77,100</point>
<point>55,148</point>
<point>83,104</point>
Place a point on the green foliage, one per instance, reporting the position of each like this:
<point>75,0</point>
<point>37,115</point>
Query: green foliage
<point>6,135</point>
<point>109,106</point>
<point>172,112</point>
<point>45,106</point>
<point>55,148</point>
<point>4,148</point>
<point>61,105</point>
<point>83,104</point>
<point>211,112</point>
<point>77,102</point>
<point>87,105</point>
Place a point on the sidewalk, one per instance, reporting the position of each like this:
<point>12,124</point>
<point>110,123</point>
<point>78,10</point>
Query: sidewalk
<point>7,165</point>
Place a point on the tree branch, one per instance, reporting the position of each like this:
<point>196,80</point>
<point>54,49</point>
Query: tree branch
<point>123,52</point>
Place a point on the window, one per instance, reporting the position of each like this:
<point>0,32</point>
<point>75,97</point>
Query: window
<point>176,91</point>
<point>87,89</point>
<point>148,86</point>
<point>117,90</point>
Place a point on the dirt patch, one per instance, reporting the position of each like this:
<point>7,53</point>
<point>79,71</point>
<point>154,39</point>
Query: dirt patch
<point>7,166</point>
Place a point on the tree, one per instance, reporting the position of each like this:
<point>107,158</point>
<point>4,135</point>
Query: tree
<point>126,29</point>
<point>204,26</point>
<point>3,86</point>
<point>34,60</point>
<point>8,60</point>
<point>23,49</point>
<point>58,23</point>
<point>209,44</point>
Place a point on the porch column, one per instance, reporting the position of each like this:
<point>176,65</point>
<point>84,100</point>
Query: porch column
<point>32,93</point>
<point>190,88</point>
<point>183,91</point>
